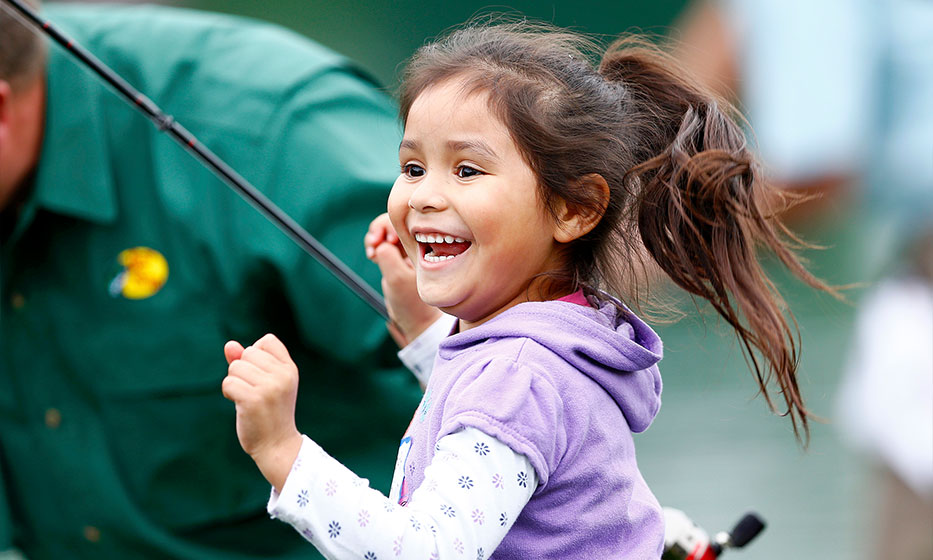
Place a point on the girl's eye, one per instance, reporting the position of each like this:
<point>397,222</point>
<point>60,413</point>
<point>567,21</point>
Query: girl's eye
<point>413,170</point>
<point>465,172</point>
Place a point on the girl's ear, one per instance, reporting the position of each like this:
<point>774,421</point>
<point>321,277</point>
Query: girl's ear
<point>575,221</point>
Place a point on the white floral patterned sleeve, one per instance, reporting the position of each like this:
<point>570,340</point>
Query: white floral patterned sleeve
<point>472,492</point>
<point>418,356</point>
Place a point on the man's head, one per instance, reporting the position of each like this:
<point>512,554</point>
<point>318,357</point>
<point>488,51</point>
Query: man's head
<point>22,99</point>
<point>22,50</point>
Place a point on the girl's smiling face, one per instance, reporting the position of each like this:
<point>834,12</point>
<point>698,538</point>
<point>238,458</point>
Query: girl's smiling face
<point>467,208</point>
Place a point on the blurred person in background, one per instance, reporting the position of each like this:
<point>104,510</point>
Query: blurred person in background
<point>126,264</point>
<point>840,95</point>
<point>886,398</point>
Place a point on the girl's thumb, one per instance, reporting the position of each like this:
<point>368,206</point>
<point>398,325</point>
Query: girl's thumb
<point>232,351</point>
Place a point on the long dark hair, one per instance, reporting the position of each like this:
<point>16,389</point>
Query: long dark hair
<point>684,187</point>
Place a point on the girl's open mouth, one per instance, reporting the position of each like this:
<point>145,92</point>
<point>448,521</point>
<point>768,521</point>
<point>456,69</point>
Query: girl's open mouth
<point>438,247</point>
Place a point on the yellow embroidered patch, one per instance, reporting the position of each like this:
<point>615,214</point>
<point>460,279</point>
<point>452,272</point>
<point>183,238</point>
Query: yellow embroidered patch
<point>144,273</point>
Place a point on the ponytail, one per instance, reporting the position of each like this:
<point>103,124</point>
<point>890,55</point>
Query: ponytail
<point>697,200</point>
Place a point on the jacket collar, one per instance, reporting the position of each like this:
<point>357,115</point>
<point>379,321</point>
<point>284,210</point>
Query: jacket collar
<point>74,176</point>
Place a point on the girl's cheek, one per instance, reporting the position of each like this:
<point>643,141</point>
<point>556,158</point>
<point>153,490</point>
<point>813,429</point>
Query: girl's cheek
<point>398,206</point>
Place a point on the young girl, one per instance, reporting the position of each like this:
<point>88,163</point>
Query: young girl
<point>531,185</point>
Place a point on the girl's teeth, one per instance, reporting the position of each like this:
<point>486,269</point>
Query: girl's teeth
<point>436,239</point>
<point>432,238</point>
<point>435,258</point>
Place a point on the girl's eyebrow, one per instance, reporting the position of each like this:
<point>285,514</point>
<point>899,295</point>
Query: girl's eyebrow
<point>476,146</point>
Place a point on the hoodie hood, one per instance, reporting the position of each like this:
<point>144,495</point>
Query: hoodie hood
<point>612,347</point>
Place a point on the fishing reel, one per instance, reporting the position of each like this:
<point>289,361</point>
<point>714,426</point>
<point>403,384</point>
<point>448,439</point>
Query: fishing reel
<point>685,540</point>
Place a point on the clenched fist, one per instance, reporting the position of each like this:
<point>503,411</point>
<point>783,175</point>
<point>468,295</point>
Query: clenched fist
<point>262,380</point>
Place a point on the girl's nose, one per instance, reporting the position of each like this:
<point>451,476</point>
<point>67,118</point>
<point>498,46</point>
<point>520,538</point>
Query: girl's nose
<point>427,197</point>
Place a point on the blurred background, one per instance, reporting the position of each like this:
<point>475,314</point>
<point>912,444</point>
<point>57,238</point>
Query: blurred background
<point>838,95</point>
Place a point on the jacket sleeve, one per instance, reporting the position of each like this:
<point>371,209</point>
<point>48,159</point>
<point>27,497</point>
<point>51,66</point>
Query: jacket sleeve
<point>331,166</point>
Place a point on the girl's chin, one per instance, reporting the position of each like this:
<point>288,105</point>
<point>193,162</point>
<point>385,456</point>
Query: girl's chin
<point>443,304</point>
<point>436,298</point>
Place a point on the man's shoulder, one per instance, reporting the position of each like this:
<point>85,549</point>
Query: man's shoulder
<point>228,73</point>
<point>168,37</point>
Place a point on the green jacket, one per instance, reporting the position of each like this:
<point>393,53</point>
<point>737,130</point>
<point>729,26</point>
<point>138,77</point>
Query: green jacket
<point>130,265</point>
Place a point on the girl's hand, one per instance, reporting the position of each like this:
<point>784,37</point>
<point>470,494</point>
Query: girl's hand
<point>262,380</point>
<point>380,232</point>
<point>410,316</point>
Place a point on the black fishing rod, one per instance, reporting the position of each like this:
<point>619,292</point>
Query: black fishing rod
<point>165,123</point>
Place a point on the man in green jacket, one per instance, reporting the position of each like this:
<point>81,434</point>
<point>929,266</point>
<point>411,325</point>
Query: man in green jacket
<point>126,265</point>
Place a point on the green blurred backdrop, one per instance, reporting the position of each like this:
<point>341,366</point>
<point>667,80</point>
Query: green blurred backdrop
<point>382,34</point>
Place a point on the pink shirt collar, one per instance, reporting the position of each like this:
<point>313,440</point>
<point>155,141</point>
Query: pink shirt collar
<point>576,297</point>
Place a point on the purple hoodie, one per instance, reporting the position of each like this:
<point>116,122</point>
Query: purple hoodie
<point>565,385</point>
